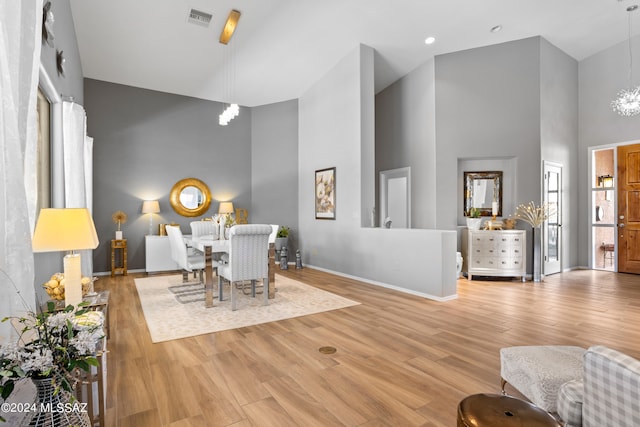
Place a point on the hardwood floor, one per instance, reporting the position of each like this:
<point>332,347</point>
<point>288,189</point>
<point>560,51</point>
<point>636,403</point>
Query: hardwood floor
<point>401,360</point>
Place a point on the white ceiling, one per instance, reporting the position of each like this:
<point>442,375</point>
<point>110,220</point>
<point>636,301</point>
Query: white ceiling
<point>281,47</point>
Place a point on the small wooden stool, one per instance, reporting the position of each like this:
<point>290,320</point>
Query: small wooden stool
<point>122,245</point>
<point>489,410</point>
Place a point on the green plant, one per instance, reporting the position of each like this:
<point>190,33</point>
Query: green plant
<point>474,213</point>
<point>283,231</point>
<point>229,221</point>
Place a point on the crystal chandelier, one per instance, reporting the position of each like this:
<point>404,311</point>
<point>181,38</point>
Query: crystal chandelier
<point>627,103</point>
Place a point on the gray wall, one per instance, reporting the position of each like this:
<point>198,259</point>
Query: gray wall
<point>274,167</point>
<point>499,107</point>
<point>146,141</point>
<point>423,261</point>
<point>406,136</point>
<point>601,76</point>
<point>559,136</point>
<point>69,85</point>
<point>488,106</point>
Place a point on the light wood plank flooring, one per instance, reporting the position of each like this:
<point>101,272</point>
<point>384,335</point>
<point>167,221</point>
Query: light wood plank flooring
<point>401,360</point>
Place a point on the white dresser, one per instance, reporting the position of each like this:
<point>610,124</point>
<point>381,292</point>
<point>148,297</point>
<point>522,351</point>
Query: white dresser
<point>157,251</point>
<point>495,253</point>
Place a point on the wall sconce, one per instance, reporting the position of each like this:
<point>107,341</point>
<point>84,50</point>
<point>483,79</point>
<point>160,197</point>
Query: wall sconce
<point>605,181</point>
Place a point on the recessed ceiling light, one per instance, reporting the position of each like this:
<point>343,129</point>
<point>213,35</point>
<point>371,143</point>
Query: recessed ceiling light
<point>496,28</point>
<point>430,40</point>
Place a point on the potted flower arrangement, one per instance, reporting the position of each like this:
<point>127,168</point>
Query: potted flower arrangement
<point>473,220</point>
<point>51,347</point>
<point>282,237</point>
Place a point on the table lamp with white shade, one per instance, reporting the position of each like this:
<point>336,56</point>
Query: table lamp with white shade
<point>71,230</point>
<point>150,207</point>
<point>226,208</point>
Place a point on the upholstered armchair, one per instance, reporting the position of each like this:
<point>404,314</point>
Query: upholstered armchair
<point>188,263</point>
<point>248,259</point>
<point>608,394</point>
<point>204,228</point>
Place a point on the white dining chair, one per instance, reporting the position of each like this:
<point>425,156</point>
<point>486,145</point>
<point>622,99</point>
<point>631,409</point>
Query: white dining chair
<point>248,260</point>
<point>187,263</point>
<point>204,228</point>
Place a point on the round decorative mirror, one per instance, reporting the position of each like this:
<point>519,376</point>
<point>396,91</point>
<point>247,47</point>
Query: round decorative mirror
<point>190,197</point>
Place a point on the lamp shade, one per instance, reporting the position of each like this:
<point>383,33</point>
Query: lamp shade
<point>150,206</point>
<point>67,229</point>
<point>225,208</point>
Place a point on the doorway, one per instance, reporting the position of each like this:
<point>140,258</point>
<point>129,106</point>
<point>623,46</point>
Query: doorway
<point>628,219</point>
<point>604,245</point>
<point>552,228</point>
<point>395,197</point>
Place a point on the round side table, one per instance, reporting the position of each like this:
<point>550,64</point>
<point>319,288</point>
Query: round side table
<point>483,410</point>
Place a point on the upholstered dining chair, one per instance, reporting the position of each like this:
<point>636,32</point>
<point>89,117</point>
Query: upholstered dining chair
<point>187,263</point>
<point>248,259</point>
<point>204,228</point>
<point>272,264</point>
<point>274,233</point>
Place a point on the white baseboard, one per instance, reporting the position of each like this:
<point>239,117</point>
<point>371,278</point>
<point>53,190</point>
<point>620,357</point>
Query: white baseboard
<point>108,273</point>
<point>385,285</point>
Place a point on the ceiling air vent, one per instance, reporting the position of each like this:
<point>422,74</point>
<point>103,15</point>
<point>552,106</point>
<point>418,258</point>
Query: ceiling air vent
<point>199,18</point>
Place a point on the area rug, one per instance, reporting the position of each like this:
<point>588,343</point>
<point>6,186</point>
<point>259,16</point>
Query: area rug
<point>168,319</point>
<point>186,293</point>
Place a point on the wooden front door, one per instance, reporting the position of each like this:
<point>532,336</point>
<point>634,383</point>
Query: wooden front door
<point>629,209</point>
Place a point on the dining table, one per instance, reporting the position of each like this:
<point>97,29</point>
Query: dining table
<point>208,245</point>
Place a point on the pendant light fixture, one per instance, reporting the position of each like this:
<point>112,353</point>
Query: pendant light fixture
<point>232,110</point>
<point>627,103</point>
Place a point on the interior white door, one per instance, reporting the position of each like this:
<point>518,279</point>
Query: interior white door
<point>395,197</point>
<point>552,228</point>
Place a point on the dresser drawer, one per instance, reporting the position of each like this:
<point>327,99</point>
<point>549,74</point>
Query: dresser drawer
<point>510,251</point>
<point>494,253</point>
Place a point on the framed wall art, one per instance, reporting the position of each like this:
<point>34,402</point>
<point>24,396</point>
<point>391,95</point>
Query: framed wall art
<point>325,190</point>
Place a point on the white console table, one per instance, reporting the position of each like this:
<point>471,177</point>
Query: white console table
<point>495,253</point>
<point>157,252</point>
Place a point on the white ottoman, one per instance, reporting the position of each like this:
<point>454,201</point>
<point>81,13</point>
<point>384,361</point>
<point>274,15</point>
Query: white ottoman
<point>538,371</point>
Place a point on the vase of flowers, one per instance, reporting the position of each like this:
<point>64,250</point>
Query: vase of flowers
<point>228,223</point>
<point>535,216</point>
<point>52,347</point>
<point>65,410</point>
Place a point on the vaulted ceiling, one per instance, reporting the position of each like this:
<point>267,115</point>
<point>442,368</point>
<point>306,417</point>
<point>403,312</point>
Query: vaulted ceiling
<point>281,47</point>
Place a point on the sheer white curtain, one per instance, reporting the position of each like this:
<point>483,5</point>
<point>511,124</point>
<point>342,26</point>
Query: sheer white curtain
<point>20,26</point>
<point>78,156</point>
